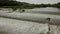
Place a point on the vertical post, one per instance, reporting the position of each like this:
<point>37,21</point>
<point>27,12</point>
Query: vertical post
<point>48,19</point>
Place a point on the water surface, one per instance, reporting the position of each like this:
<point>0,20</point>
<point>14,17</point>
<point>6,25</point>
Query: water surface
<point>47,10</point>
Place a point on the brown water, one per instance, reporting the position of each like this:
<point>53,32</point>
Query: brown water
<point>13,26</point>
<point>47,10</point>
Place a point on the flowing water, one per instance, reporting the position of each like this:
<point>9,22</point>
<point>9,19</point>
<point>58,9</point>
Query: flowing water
<point>12,26</point>
<point>47,10</point>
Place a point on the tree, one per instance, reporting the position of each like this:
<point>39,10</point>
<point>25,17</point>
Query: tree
<point>58,3</point>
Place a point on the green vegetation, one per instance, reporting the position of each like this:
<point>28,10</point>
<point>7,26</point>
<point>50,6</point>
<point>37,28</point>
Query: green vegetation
<point>22,5</point>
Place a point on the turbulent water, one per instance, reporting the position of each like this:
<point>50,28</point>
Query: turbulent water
<point>11,26</point>
<point>18,26</point>
<point>47,10</point>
